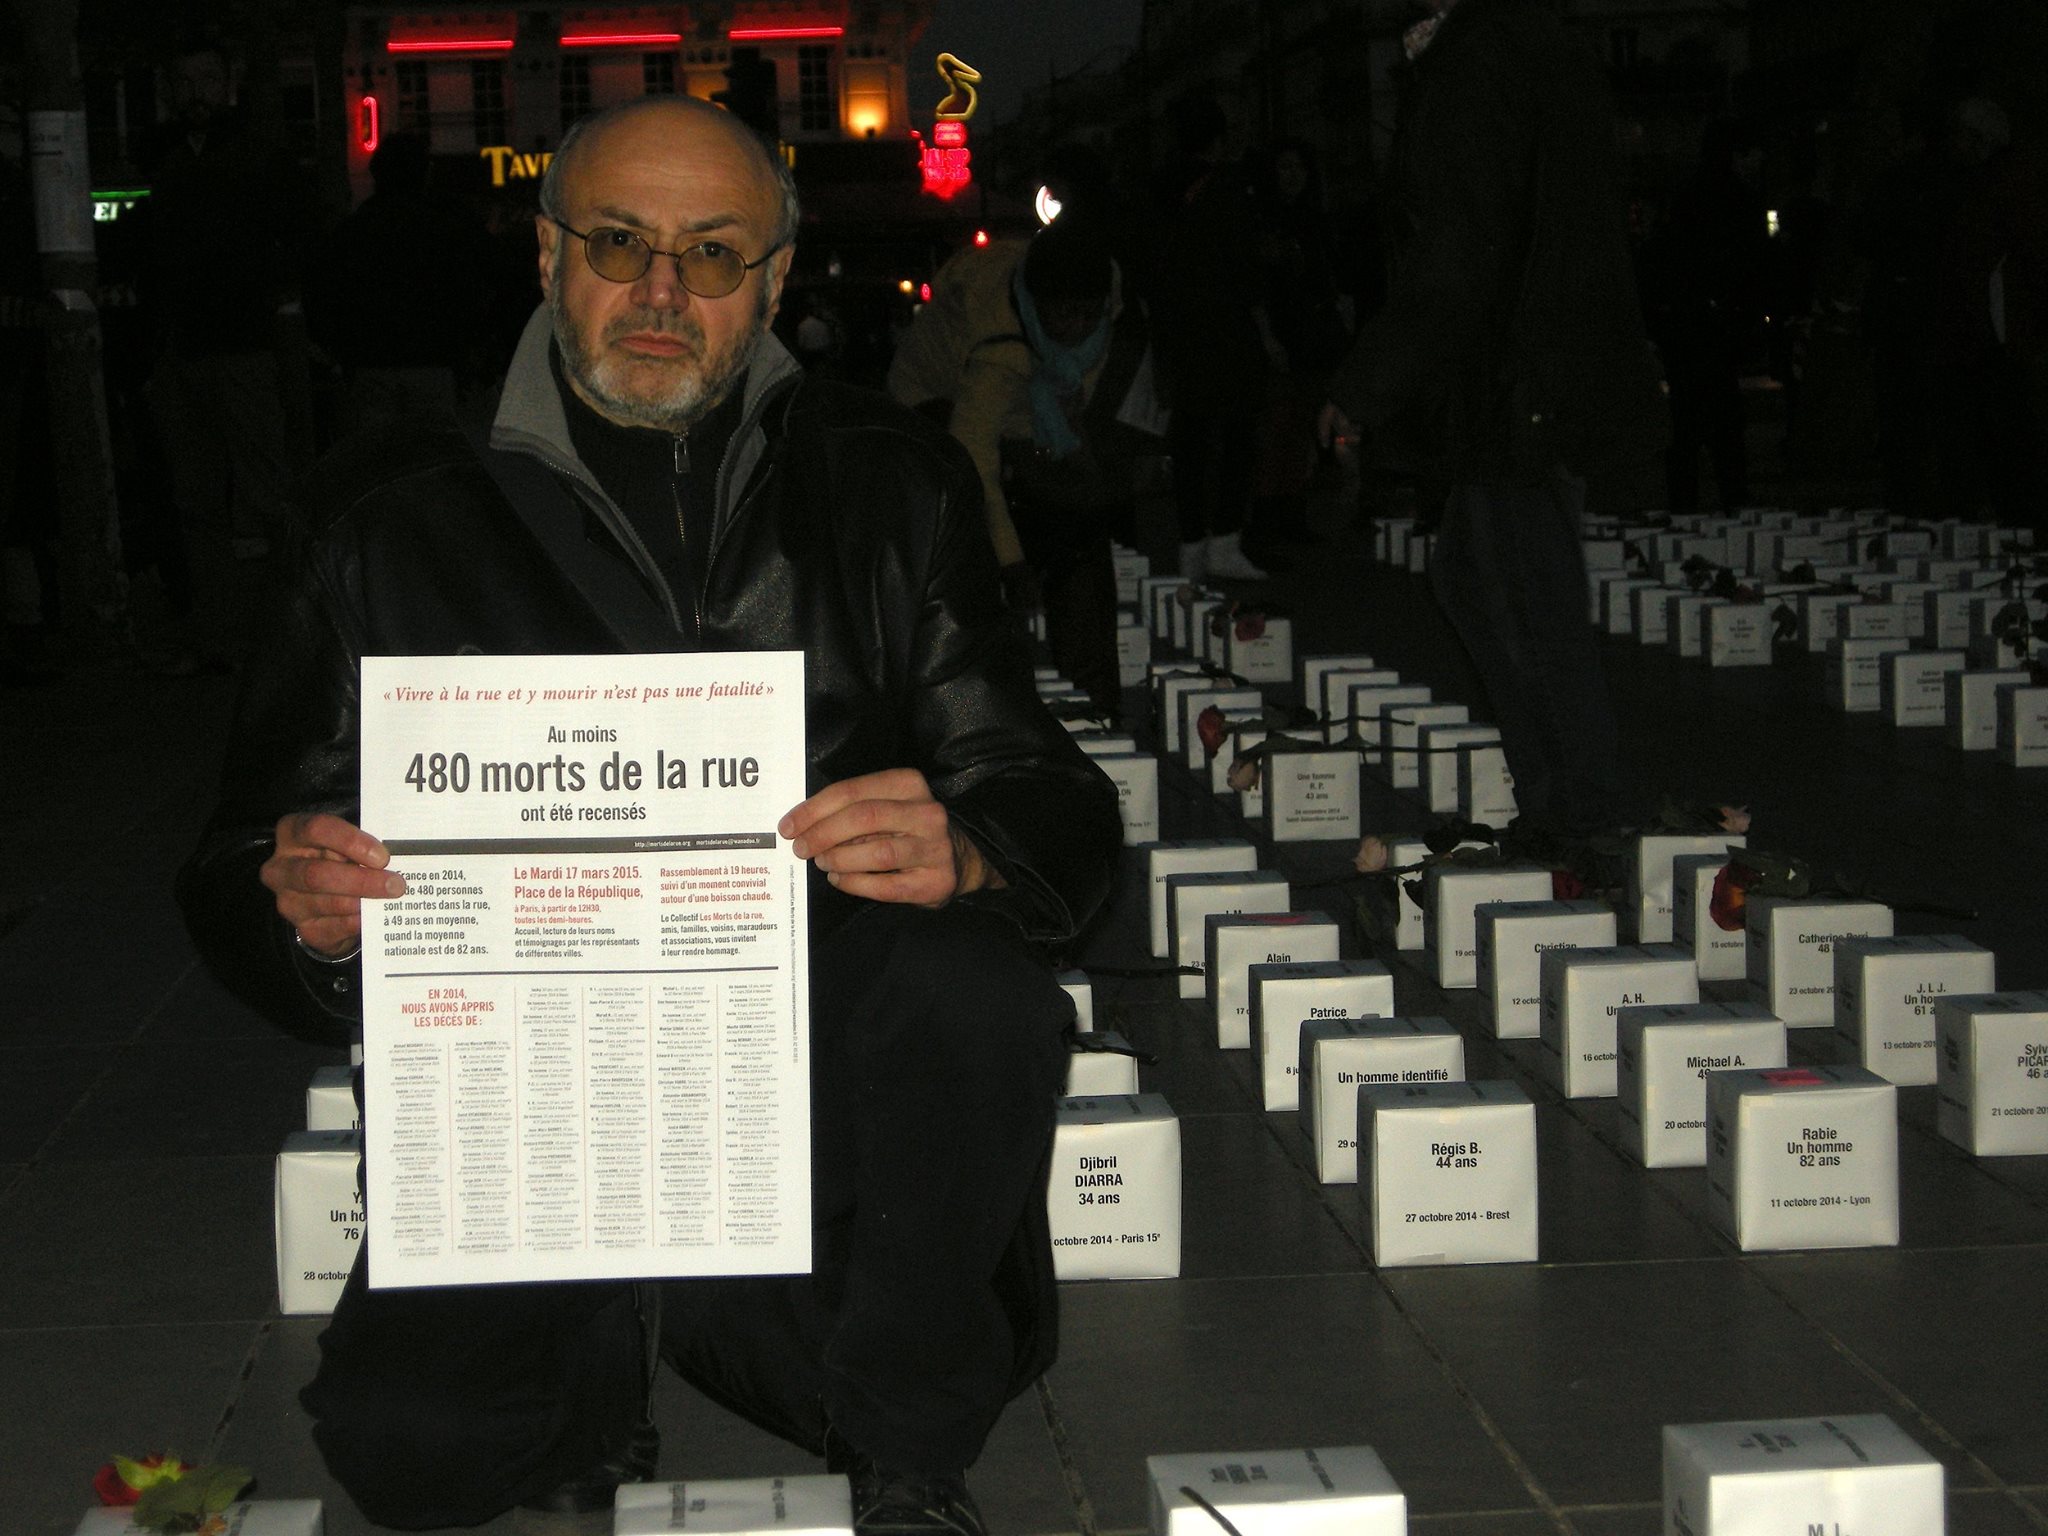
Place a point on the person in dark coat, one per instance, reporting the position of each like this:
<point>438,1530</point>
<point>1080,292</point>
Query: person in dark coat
<point>1508,367</point>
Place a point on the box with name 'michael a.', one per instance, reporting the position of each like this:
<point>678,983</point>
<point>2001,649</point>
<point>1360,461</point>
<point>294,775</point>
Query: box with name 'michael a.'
<point>812,1505</point>
<point>1192,856</point>
<point>1791,955</point>
<point>1663,1053</point>
<point>1339,1057</point>
<point>1585,989</point>
<point>1342,1490</point>
<point>1512,939</point>
<point>1447,1173</point>
<point>1852,1475</point>
<point>1191,900</point>
<point>1451,895</point>
<point>1114,1197</point>
<point>1288,996</point>
<point>1991,1088</point>
<point>1233,945</point>
<point>1885,993</point>
<point>1803,1157</point>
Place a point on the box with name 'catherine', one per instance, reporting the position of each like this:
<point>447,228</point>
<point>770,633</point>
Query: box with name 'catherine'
<point>1513,937</point>
<point>1885,993</point>
<point>813,1505</point>
<point>1114,1197</point>
<point>1972,705</point>
<point>1800,1477</point>
<point>331,1101</point>
<point>1187,857</point>
<point>1447,1173</point>
<point>1311,796</point>
<point>1403,735</point>
<point>1584,989</point>
<point>1341,1056</point>
<point>1342,1490</point>
<point>1232,945</point>
<point>1912,687</point>
<point>1287,997</point>
<point>1261,649</point>
<point>1648,899</point>
<point>2023,727</point>
<point>318,1218</point>
<point>1100,1064</point>
<point>245,1517</point>
<point>1451,894</point>
<point>1136,777</point>
<point>1719,954</point>
<point>1081,992</point>
<point>1486,790</point>
<point>1663,1053</point>
<point>1191,900</point>
<point>1854,678</point>
<point>1991,1091</point>
<point>1803,1157</point>
<point>1791,953</point>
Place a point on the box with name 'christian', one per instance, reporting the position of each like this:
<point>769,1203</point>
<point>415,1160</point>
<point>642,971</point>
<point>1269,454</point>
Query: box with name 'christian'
<point>1403,737</point>
<point>1451,894</point>
<point>1447,1173</point>
<point>1719,954</point>
<point>1191,900</point>
<point>1803,1157</point>
<point>1583,991</point>
<point>1237,704</point>
<point>2023,727</point>
<point>1341,1056</point>
<point>1912,687</point>
<point>1081,991</point>
<point>1991,1091</point>
<point>1739,635</point>
<point>1366,704</point>
<point>1441,747</point>
<point>1100,1064</point>
<point>1136,777</point>
<point>1663,1053</point>
<point>1791,951</point>
<point>1133,652</point>
<point>1486,790</point>
<point>1972,705</point>
<point>1232,946</point>
<point>1311,796</point>
<point>1885,993</point>
<point>1341,1490</point>
<point>1288,997</point>
<point>1512,939</point>
<point>331,1101</point>
<point>1191,856</point>
<point>1114,1197</point>
<point>1854,678</point>
<point>318,1218</point>
<point>244,1517</point>
<point>1800,1477</point>
<point>813,1505</point>
<point>1648,879</point>
<point>1261,649</point>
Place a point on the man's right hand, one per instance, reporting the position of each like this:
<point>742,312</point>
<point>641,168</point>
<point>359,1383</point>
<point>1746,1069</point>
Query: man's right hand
<point>322,870</point>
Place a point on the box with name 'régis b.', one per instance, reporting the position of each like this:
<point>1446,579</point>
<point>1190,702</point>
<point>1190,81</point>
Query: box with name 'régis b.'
<point>1447,1173</point>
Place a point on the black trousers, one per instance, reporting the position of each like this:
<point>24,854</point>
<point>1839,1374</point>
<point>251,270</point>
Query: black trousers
<point>936,1053</point>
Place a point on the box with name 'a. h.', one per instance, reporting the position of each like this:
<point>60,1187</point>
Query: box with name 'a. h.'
<point>1233,945</point>
<point>1311,795</point>
<point>1447,1173</point>
<point>1191,900</point>
<point>1100,1064</point>
<point>1339,1490</point>
<point>1287,997</point>
<point>244,1517</point>
<point>1739,635</point>
<point>1663,1053</point>
<point>1854,673</point>
<point>1451,895</point>
<point>1081,992</point>
<point>1486,789</point>
<point>1912,687</point>
<point>1885,994</point>
<point>1791,951</point>
<point>1187,857</point>
<point>1647,878</point>
<point>1260,648</point>
<point>812,1505</point>
<point>1972,705</point>
<point>1991,1089</point>
<point>1341,1056</point>
<point>1512,939</point>
<point>318,1218</point>
<point>1403,737</point>
<point>1114,1197</point>
<point>331,1101</point>
<point>1803,1157</point>
<point>1136,777</point>
<point>1720,954</point>
<point>1442,746</point>
<point>1800,1477</point>
<point>2023,727</point>
<point>1584,989</point>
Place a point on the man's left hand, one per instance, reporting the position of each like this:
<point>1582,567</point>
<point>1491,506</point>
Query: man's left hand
<point>884,837</point>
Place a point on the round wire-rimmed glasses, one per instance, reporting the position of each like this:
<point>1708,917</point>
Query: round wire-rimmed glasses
<point>710,269</point>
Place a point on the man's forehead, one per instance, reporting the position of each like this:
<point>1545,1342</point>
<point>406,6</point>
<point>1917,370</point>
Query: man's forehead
<point>682,168</point>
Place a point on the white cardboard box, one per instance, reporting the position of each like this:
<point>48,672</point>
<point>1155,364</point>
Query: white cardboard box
<point>1652,615</point>
<point>1239,704</point>
<point>1341,1056</point>
<point>2023,727</point>
<point>1972,705</point>
<point>1991,1092</point>
<point>1314,667</point>
<point>1486,790</point>
<point>1403,734</point>
<point>1719,954</point>
<point>814,1505</point>
<point>1803,1157</point>
<point>1447,1173</point>
<point>1512,939</point>
<point>318,1219</point>
<point>1100,1065</point>
<point>1367,705</point>
<point>1912,687</point>
<point>1133,653</point>
<point>1336,686</point>
<point>1333,1491</point>
<point>1441,746</point>
<point>1081,990</point>
<point>1187,857</point>
<point>1287,996</point>
<point>1820,617</point>
<point>331,1101</point>
<point>1167,688</point>
<point>1791,951</point>
<point>1854,679</point>
<point>1311,796</point>
<point>1584,989</point>
<point>1114,1197</point>
<point>1450,895</point>
<point>1233,945</point>
<point>1664,1052</point>
<point>1267,657</point>
<point>1106,743</point>
<point>1136,777</point>
<point>1885,993</point>
<point>1648,880</point>
<point>1191,900</point>
<point>1855,1475</point>
<point>1738,634</point>
<point>245,1517</point>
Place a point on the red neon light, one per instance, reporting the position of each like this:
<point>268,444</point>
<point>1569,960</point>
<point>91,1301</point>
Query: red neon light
<point>945,171</point>
<point>775,34</point>
<point>950,135</point>
<point>369,125</point>
<point>622,40</point>
<point>981,237</point>
<point>449,45</point>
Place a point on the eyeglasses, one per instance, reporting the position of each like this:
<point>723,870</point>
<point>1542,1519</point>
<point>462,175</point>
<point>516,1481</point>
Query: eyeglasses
<point>711,269</point>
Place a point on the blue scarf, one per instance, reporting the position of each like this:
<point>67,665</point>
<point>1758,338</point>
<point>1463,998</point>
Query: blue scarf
<point>1058,374</point>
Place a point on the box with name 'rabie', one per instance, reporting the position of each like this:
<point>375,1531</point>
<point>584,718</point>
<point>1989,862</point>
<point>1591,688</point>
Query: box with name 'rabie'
<point>1584,989</point>
<point>1287,996</point>
<point>245,1517</point>
<point>1447,1173</point>
<point>1885,993</point>
<point>1991,1094</point>
<point>1100,1064</point>
<point>1233,945</point>
<point>1187,857</point>
<point>1803,1157</point>
<point>1663,1053</point>
<point>318,1218</point>
<point>1719,954</point>
<point>1512,939</point>
<point>1342,1490</point>
<point>1791,951</point>
<point>1114,1197</point>
<point>1191,900</point>
<point>1341,1056</point>
<point>1855,1475</point>
<point>1451,897</point>
<point>813,1505</point>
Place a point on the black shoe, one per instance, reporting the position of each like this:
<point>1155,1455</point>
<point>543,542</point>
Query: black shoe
<point>584,1504</point>
<point>887,1503</point>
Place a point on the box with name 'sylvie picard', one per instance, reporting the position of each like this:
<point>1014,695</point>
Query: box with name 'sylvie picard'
<point>1447,1173</point>
<point>1100,1065</point>
<point>1719,954</point>
<point>812,1505</point>
<point>1451,895</point>
<point>1648,882</point>
<point>1191,900</point>
<point>1233,945</point>
<point>250,1517</point>
<point>1340,1490</point>
<point>1287,996</point>
<point>1885,992</point>
<point>1791,951</point>
<point>1187,857</point>
<point>1991,1094</point>
<point>1114,1197</point>
<point>1663,1053</point>
<point>1584,989</point>
<point>1513,937</point>
<point>1852,1475</point>
<point>1803,1157</point>
<point>1341,1056</point>
<point>318,1218</point>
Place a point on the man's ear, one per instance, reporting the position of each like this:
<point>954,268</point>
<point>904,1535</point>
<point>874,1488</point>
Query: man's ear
<point>548,232</point>
<point>778,272</point>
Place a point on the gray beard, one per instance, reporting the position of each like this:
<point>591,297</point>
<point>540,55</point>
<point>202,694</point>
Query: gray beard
<point>694,393</point>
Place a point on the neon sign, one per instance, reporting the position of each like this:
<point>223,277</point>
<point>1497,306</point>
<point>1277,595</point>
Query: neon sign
<point>946,163</point>
<point>507,164</point>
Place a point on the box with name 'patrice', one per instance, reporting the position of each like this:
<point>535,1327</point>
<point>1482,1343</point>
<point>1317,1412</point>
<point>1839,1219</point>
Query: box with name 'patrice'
<point>1991,1094</point>
<point>1513,937</point>
<point>1233,945</point>
<point>1583,992</point>
<point>1331,1491</point>
<point>1885,993</point>
<point>1451,897</point>
<point>1287,996</point>
<point>318,1218</point>
<point>813,1505</point>
<point>1185,858</point>
<point>1791,954</point>
<point>1663,1054</point>
<point>1795,1477</point>
<point>1447,1173</point>
<point>1341,1056</point>
<point>1114,1197</point>
<point>1803,1157</point>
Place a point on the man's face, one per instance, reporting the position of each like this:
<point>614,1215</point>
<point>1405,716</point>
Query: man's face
<point>650,353</point>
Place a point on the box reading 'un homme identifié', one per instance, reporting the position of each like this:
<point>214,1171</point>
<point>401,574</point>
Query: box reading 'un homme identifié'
<point>1339,1057</point>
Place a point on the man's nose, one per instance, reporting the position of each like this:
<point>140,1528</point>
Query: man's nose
<point>661,286</point>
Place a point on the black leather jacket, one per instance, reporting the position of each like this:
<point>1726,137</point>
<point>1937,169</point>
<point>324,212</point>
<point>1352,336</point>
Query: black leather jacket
<point>845,528</point>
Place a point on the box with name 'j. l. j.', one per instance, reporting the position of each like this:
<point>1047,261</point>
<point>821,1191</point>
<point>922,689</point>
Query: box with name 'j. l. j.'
<point>1885,993</point>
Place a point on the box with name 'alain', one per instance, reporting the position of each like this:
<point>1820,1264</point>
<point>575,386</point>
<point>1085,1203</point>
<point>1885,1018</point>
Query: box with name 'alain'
<point>1855,1475</point>
<point>1991,1091</point>
<point>1191,900</point>
<point>1803,1157</point>
<point>812,1505</point>
<point>1583,992</point>
<point>1114,1197</point>
<point>1186,857</point>
<point>1885,993</point>
<point>1447,1173</point>
<point>1451,896</point>
<point>1342,1490</point>
<point>1513,937</point>
<point>1791,951</point>
<point>1287,997</point>
<point>1234,945</point>
<point>1663,1053</point>
<point>1341,1056</point>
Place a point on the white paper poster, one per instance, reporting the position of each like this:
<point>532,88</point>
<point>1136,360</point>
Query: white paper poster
<point>586,1025</point>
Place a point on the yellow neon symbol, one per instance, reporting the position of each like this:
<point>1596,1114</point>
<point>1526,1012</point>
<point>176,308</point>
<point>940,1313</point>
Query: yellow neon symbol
<point>959,101</point>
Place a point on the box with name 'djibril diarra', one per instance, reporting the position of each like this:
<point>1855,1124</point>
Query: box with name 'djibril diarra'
<point>1136,777</point>
<point>244,1517</point>
<point>1100,1064</point>
<point>1451,893</point>
<point>1234,945</point>
<point>1663,1054</point>
<point>1991,1092</point>
<point>1191,900</point>
<point>1513,937</point>
<point>1332,1491</point>
<point>1856,1475</point>
<point>1720,954</point>
<point>1803,1157</point>
<point>1885,992</point>
<point>1583,990</point>
<point>1447,1173</point>
<point>1186,858</point>
<point>1114,1197</point>
<point>1311,796</point>
<point>813,1505</point>
<point>331,1101</point>
<point>1791,951</point>
<point>1287,997</point>
<point>319,1220</point>
<point>1649,881</point>
<point>1341,1056</point>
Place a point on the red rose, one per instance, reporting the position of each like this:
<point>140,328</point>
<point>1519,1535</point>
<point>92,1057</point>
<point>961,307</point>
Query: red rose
<point>1566,886</point>
<point>1731,894</point>
<point>1250,626</point>
<point>1210,727</point>
<point>111,1489</point>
